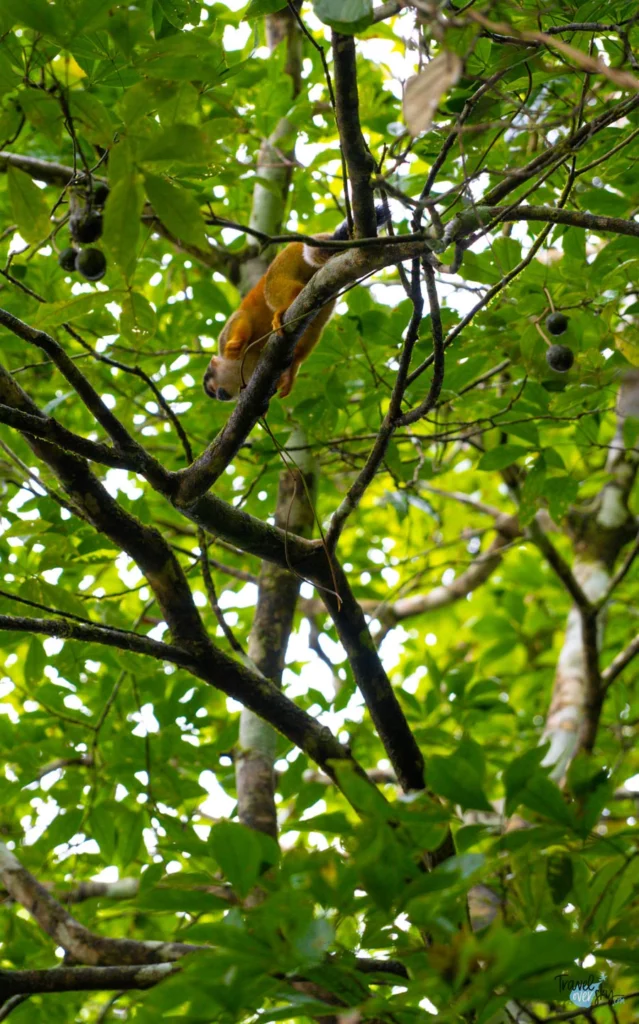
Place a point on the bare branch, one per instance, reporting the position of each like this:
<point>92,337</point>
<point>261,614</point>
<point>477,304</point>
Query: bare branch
<point>438,353</point>
<point>618,664</point>
<point>391,419</point>
<point>215,668</point>
<point>561,568</point>
<point>84,979</point>
<point>47,427</point>
<point>84,945</point>
<point>620,575</point>
<point>440,597</point>
<point>359,161</point>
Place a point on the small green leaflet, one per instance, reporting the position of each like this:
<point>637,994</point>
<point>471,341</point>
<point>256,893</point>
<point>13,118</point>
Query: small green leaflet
<point>30,208</point>
<point>177,208</point>
<point>122,222</point>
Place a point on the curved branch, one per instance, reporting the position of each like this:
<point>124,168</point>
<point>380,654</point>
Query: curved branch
<point>48,428</point>
<point>217,669</point>
<point>84,945</point>
<point>618,664</point>
<point>440,597</point>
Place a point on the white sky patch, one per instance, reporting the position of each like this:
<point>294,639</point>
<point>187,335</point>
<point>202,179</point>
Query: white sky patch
<point>127,569</point>
<point>147,722</point>
<point>117,480</point>
<point>17,243</point>
<point>45,812</point>
<point>236,38</point>
<point>244,598</point>
<point>218,804</point>
<point>52,645</point>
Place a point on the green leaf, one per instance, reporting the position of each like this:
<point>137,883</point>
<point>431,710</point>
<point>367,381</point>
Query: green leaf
<point>34,662</point>
<point>178,12</point>
<point>620,955</point>
<point>138,321</point>
<point>506,254</point>
<point>93,116</point>
<point>346,16</point>
<point>178,210</point>
<point>38,15</point>
<point>502,456</point>
<point>43,111</point>
<point>55,313</point>
<point>237,851</point>
<point>574,244</point>
<point>457,780</point>
<point>181,143</point>
<point>260,8</point>
<point>103,819</point>
<point>30,207</point>
<point>122,222</point>
<point>561,492</point>
<point>8,77</point>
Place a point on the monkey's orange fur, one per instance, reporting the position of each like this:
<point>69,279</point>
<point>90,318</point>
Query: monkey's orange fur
<point>246,332</point>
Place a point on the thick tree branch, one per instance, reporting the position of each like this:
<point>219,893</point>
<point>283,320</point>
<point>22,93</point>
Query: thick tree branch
<point>217,669</point>
<point>571,218</point>
<point>144,544</point>
<point>359,161</point>
<point>373,682</point>
<point>84,979</point>
<point>391,419</point>
<point>104,979</point>
<point>85,390</point>
<point>278,589</point>
<point>84,945</point>
<point>48,428</point>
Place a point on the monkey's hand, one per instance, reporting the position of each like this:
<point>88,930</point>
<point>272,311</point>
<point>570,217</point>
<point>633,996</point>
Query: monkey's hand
<point>277,320</point>
<point>287,380</point>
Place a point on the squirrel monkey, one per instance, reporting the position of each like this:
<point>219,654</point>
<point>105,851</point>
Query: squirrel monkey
<point>247,331</point>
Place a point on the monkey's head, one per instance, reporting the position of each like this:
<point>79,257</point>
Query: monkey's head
<point>223,379</point>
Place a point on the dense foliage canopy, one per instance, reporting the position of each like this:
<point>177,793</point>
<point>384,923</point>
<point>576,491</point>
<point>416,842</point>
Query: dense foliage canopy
<point>447,705</point>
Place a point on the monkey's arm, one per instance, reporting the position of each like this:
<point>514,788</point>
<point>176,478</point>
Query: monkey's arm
<point>237,334</point>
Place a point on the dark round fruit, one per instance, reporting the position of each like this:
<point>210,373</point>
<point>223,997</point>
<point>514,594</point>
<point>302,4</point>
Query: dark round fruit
<point>91,263</point>
<point>559,358</point>
<point>556,323</point>
<point>87,227</point>
<point>100,195</point>
<point>66,259</point>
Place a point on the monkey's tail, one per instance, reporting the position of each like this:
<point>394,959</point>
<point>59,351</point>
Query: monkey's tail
<point>340,233</point>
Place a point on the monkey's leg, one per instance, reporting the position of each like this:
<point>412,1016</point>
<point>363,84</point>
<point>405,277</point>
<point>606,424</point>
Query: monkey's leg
<point>304,347</point>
